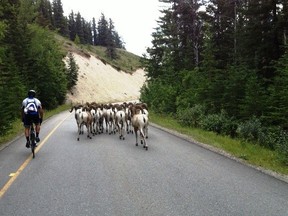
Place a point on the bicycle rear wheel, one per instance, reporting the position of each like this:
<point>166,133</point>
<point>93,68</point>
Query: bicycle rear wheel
<point>33,149</point>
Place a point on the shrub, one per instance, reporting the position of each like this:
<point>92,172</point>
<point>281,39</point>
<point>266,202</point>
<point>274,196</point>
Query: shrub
<point>191,116</point>
<point>220,123</point>
<point>159,96</point>
<point>250,130</point>
<point>268,137</point>
<point>282,146</point>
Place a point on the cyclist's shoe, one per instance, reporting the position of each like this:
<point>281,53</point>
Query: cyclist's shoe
<point>27,144</point>
<point>37,139</point>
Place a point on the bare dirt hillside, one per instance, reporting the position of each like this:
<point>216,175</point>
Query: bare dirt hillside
<point>101,83</point>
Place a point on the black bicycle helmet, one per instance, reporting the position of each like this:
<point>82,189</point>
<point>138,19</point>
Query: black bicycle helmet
<point>31,93</point>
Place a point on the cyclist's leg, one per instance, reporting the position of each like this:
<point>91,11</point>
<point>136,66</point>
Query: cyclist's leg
<point>27,123</point>
<point>36,121</point>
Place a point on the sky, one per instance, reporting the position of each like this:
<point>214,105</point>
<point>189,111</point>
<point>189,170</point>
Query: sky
<point>134,20</point>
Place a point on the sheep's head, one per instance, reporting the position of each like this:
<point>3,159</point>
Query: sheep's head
<point>75,107</point>
<point>136,109</point>
<point>86,109</point>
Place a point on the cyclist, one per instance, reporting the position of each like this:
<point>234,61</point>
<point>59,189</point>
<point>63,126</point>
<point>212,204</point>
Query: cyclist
<point>31,112</point>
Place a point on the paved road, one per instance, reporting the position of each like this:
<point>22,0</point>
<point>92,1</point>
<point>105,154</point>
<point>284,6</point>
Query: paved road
<point>108,176</point>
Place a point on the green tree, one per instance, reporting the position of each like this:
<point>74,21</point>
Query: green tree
<point>71,72</point>
<point>94,32</point>
<point>72,26</point>
<point>11,87</point>
<point>103,30</point>
<point>87,32</point>
<point>277,113</point>
<point>47,70</point>
<point>79,28</point>
<point>110,40</point>
<point>59,20</point>
<point>45,16</point>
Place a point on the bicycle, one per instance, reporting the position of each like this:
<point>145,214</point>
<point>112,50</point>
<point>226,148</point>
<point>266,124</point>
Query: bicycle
<point>32,139</point>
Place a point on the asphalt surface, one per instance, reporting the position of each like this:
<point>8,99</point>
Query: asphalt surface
<point>108,176</point>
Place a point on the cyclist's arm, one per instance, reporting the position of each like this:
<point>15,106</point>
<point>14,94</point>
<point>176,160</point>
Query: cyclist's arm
<point>41,112</point>
<point>40,109</point>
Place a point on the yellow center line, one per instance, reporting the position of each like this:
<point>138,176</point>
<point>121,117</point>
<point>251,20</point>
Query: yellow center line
<point>26,162</point>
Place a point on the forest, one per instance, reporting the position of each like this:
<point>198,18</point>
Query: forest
<point>222,66</point>
<point>31,57</point>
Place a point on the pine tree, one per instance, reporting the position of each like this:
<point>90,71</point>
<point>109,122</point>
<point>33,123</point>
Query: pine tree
<point>94,33</point>
<point>59,21</point>
<point>87,30</point>
<point>72,26</point>
<point>103,30</point>
<point>277,113</point>
<point>79,28</point>
<point>44,17</point>
<point>72,71</point>
<point>111,46</point>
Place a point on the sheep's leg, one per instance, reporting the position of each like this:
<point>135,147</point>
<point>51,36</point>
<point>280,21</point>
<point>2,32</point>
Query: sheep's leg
<point>88,126</point>
<point>110,127</point>
<point>146,132</point>
<point>118,125</point>
<point>97,128</point>
<point>143,139</point>
<point>131,127</point>
<point>101,126</point>
<point>78,138</point>
<point>79,131</point>
<point>136,135</point>
<point>114,129</point>
<point>123,131</point>
<point>127,127</point>
<point>93,129</point>
<point>106,125</point>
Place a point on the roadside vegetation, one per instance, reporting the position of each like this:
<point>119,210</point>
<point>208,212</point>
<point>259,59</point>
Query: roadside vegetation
<point>208,71</point>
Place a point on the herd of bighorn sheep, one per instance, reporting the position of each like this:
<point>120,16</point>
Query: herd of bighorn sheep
<point>112,118</point>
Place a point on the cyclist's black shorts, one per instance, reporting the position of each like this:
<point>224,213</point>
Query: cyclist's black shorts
<point>29,119</point>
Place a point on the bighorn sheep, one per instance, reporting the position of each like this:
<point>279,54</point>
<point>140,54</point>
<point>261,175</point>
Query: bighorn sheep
<point>78,110</point>
<point>86,119</point>
<point>120,120</point>
<point>139,123</point>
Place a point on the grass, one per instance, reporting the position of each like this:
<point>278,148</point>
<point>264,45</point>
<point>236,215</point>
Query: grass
<point>252,154</point>
<point>126,61</point>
